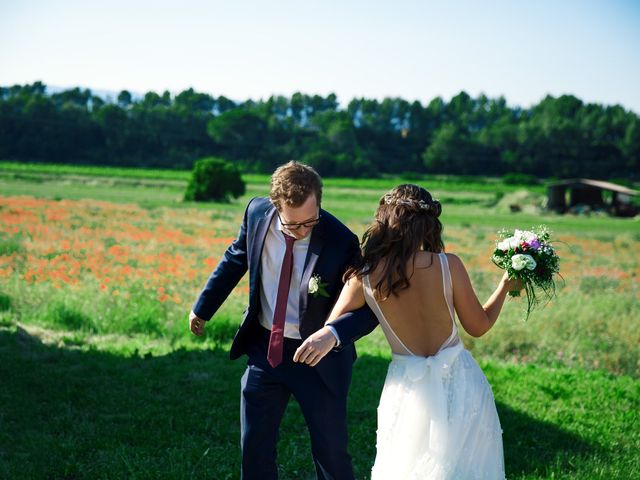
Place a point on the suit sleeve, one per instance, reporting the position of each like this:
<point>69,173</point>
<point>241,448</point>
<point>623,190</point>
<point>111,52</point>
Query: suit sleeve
<point>226,275</point>
<point>353,325</point>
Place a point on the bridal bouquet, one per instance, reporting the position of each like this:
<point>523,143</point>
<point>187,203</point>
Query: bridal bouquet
<point>528,256</point>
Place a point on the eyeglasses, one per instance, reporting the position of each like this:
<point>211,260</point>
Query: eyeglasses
<point>297,226</point>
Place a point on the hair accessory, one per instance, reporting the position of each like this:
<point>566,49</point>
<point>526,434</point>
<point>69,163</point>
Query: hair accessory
<point>412,203</point>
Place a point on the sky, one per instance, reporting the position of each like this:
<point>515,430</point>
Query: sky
<point>417,50</point>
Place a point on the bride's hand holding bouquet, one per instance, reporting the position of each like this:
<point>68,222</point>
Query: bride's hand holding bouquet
<point>512,285</point>
<point>527,256</point>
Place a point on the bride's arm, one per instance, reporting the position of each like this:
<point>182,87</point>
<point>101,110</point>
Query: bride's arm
<point>351,298</point>
<point>475,318</point>
<point>317,345</point>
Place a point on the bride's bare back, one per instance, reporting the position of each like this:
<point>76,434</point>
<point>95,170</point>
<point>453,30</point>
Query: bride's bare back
<point>419,315</point>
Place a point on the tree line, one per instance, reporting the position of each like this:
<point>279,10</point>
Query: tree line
<point>558,137</point>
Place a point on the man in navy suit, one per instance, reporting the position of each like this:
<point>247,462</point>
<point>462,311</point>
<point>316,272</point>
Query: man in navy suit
<point>296,254</point>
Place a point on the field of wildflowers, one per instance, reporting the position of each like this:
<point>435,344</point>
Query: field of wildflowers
<point>94,297</point>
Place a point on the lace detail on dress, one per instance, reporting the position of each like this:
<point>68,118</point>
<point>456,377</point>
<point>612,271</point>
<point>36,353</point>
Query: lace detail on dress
<point>437,420</point>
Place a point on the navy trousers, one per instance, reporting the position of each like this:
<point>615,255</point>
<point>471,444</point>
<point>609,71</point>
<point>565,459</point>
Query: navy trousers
<point>265,392</point>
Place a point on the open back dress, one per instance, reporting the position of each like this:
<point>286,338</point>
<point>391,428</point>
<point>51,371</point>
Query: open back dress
<point>437,417</point>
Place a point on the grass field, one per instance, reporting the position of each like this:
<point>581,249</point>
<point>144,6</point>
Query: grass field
<point>101,379</point>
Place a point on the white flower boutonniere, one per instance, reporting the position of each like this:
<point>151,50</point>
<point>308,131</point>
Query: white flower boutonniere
<point>317,287</point>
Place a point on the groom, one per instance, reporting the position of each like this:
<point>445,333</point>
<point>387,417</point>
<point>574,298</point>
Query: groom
<point>296,254</point>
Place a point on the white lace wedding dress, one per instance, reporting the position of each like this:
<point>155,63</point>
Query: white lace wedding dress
<point>437,417</point>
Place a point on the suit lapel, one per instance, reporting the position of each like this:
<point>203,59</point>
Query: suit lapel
<point>257,244</point>
<point>316,245</point>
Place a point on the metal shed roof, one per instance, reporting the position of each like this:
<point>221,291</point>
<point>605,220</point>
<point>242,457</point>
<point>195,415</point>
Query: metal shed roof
<point>574,182</point>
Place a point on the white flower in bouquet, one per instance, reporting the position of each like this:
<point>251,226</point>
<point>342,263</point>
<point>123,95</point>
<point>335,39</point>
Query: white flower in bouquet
<point>520,261</point>
<point>530,238</point>
<point>508,243</point>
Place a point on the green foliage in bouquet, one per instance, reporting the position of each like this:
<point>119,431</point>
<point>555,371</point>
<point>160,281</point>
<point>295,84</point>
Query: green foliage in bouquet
<point>529,256</point>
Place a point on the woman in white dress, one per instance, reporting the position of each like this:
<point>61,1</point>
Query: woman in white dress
<point>437,417</point>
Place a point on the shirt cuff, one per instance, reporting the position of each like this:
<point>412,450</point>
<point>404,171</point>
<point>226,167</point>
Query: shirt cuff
<point>335,334</point>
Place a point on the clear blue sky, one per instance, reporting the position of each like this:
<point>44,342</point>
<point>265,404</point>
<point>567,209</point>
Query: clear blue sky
<point>362,48</point>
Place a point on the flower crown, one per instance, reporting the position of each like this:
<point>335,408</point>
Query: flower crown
<point>412,203</point>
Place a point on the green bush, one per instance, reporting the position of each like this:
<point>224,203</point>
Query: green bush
<point>214,179</point>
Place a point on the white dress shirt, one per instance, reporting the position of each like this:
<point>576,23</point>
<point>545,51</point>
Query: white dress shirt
<point>271,264</point>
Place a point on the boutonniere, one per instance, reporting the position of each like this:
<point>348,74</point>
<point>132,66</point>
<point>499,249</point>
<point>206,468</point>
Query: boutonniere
<point>317,287</point>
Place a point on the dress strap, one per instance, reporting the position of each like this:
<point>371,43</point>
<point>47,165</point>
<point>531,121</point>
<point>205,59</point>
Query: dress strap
<point>446,284</point>
<point>373,304</point>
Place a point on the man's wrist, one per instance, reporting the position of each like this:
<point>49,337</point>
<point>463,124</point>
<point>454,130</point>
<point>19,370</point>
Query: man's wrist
<point>335,334</point>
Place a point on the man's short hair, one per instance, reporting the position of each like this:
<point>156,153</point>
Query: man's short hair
<point>292,183</point>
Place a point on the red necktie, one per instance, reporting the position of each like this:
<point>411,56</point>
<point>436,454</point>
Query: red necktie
<point>276,341</point>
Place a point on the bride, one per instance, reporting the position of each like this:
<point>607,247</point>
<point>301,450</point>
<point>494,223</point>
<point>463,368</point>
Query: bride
<point>437,417</point>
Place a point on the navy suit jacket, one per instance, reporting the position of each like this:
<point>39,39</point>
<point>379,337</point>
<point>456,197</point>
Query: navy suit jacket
<point>332,248</point>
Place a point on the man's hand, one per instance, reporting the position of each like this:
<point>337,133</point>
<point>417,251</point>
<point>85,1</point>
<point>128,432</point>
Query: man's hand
<point>196,324</point>
<point>315,347</point>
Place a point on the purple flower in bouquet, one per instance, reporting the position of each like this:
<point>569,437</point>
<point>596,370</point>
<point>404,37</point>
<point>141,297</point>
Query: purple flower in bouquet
<point>534,244</point>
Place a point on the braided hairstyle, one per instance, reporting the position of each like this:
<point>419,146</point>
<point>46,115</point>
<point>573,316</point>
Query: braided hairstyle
<point>406,221</point>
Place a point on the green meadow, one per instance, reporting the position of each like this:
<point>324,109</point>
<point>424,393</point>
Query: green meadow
<point>100,377</point>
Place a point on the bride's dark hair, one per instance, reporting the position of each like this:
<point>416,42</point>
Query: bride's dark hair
<point>406,221</point>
